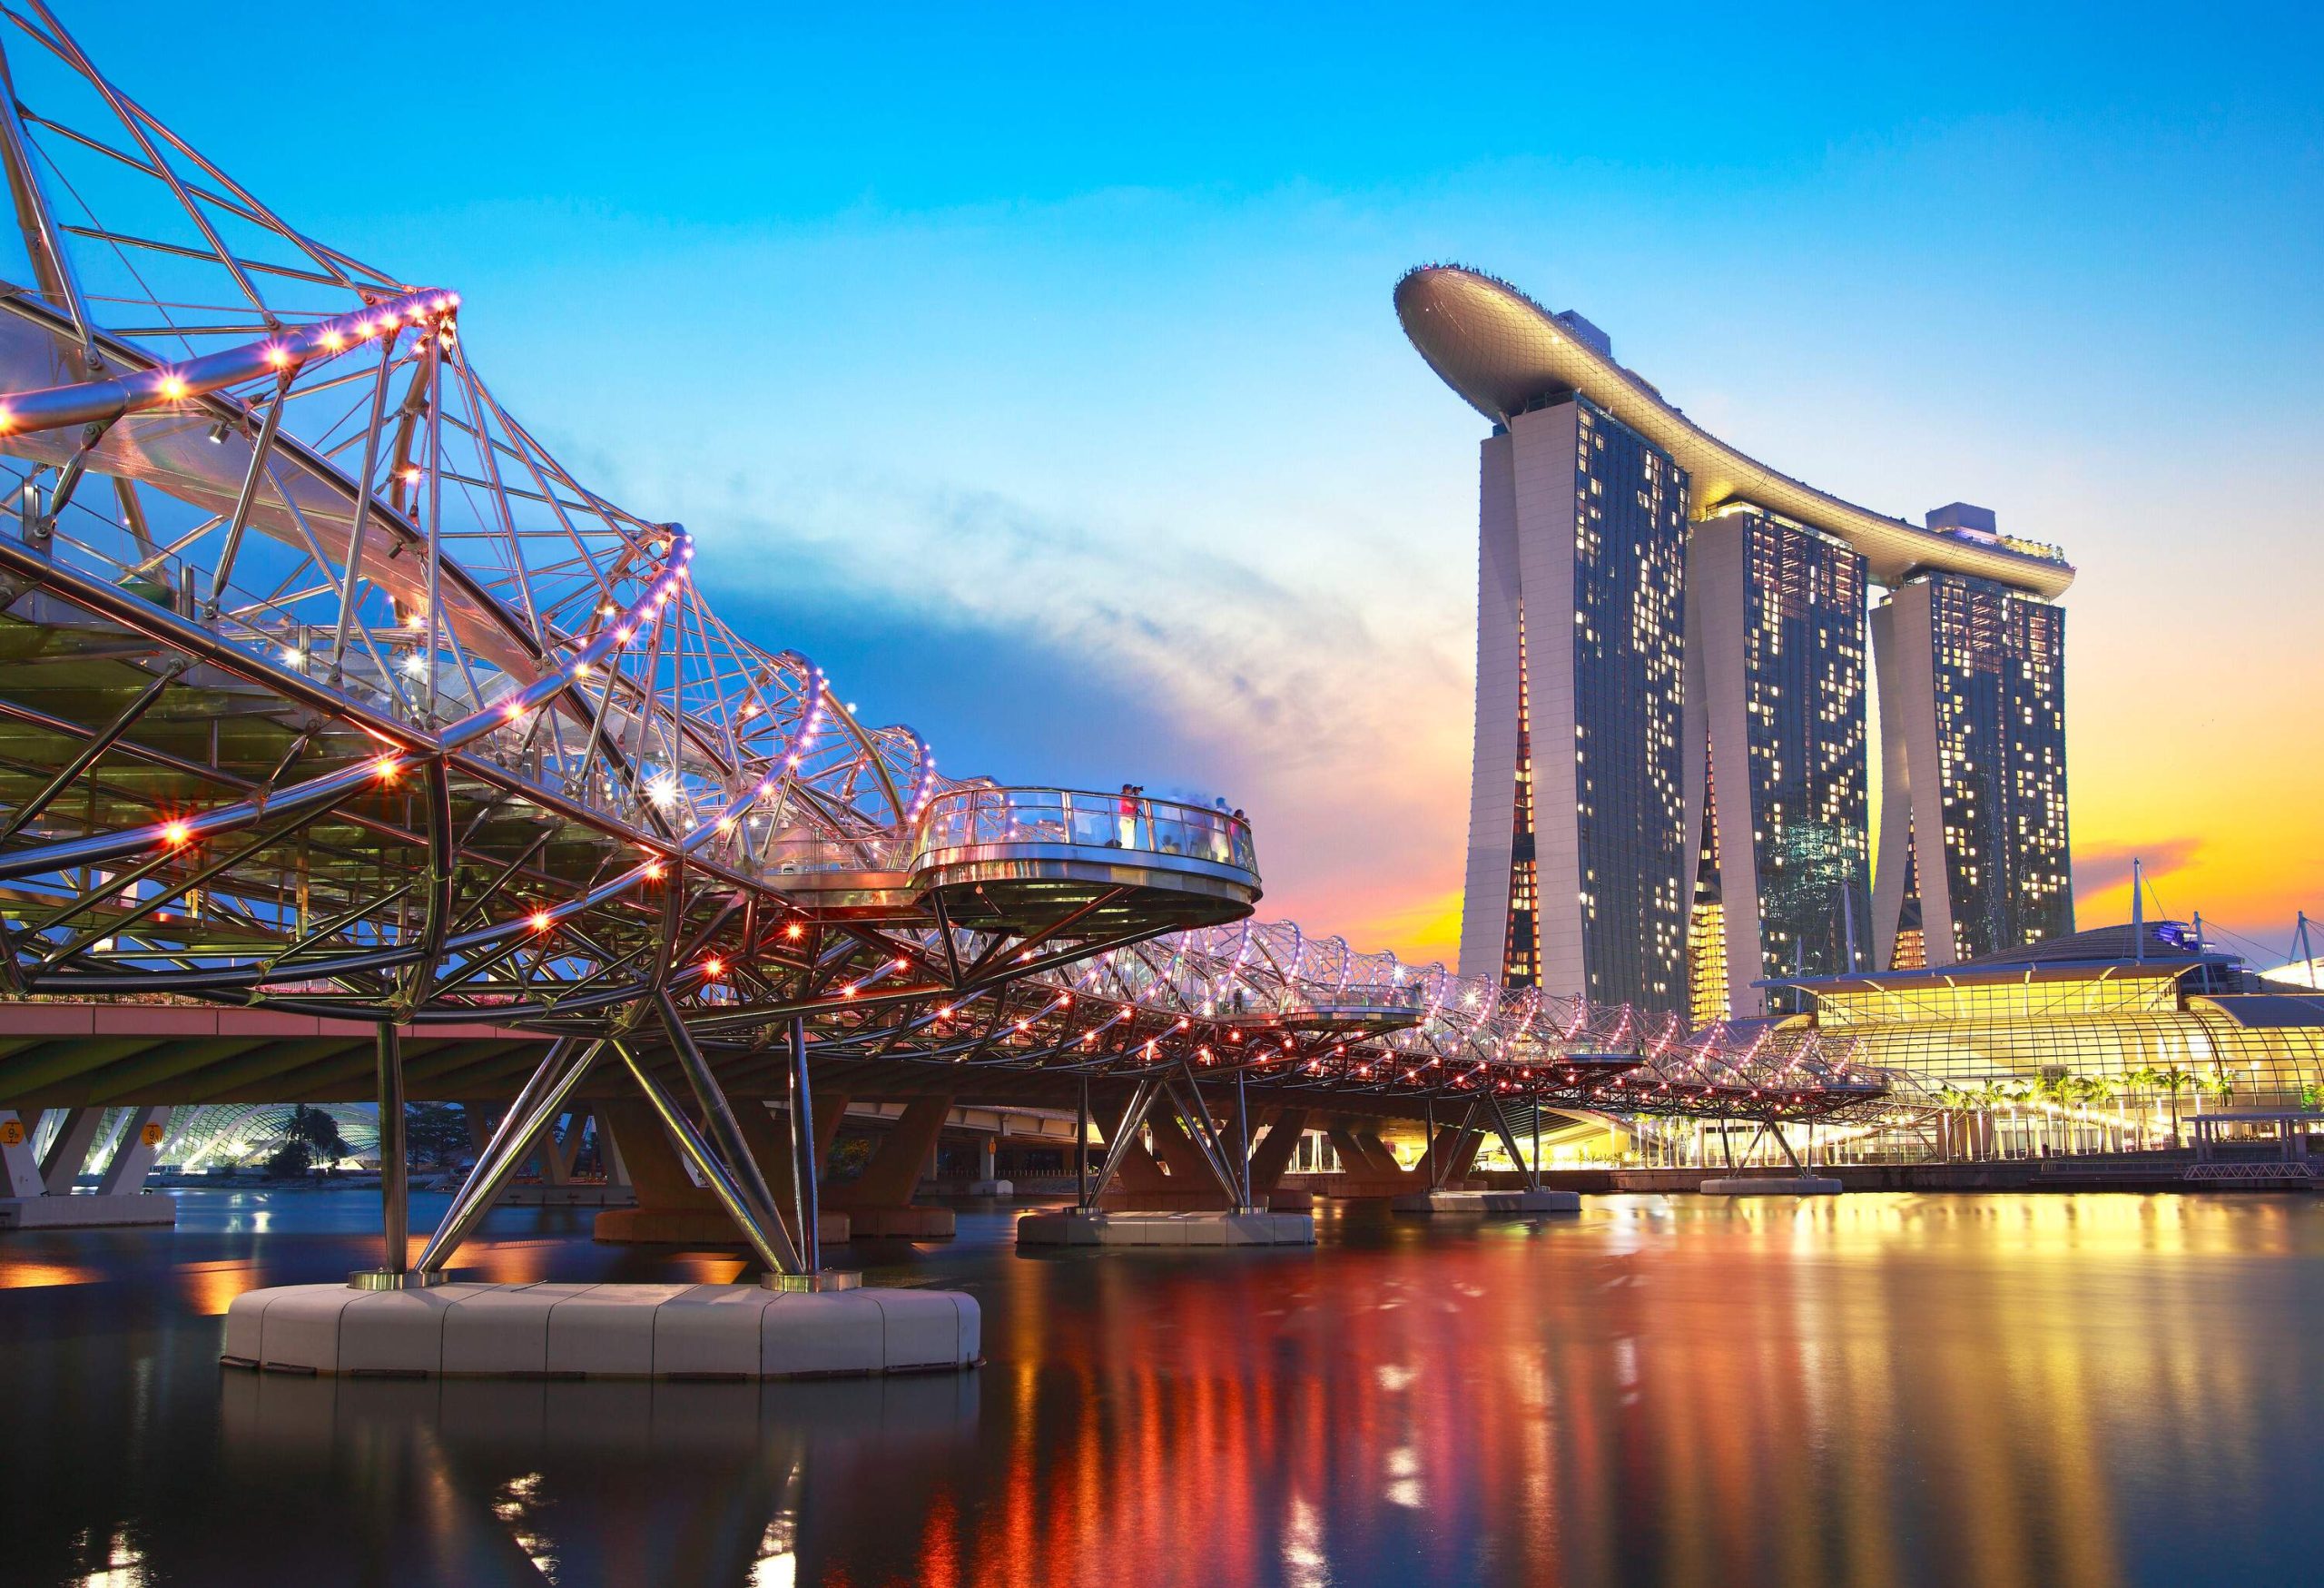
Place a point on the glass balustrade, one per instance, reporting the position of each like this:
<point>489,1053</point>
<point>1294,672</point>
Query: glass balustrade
<point>792,852</point>
<point>969,818</point>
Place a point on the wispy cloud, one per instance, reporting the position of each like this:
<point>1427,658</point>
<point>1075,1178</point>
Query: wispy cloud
<point>2099,869</point>
<point>1347,738</point>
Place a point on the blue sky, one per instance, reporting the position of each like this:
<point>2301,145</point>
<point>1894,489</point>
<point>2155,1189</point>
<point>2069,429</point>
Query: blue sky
<point>1034,370</point>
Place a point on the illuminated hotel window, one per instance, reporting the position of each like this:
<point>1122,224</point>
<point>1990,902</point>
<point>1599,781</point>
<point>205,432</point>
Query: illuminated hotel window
<point>1999,717</point>
<point>1628,673</point>
<point>1520,955</point>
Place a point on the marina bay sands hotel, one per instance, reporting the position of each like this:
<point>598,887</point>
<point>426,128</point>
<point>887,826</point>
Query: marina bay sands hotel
<point>1671,792</point>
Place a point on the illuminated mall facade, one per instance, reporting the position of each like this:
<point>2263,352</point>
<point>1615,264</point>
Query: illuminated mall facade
<point>1676,650</point>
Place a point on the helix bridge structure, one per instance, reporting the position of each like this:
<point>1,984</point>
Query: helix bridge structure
<point>327,691</point>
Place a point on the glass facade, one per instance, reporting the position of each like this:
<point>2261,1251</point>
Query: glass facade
<point>1803,763</point>
<point>2000,706</point>
<point>1629,576</point>
<point>1803,702</point>
<point>2122,1031</point>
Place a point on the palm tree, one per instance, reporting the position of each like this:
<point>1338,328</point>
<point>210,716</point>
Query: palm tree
<point>2072,1093</point>
<point>2056,1092</point>
<point>2014,1092</point>
<point>2175,1081</point>
<point>1952,1101</point>
<point>1992,1096</point>
<point>2143,1079</point>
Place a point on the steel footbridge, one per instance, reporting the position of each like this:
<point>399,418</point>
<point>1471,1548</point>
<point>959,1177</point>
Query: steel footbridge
<point>328,694</point>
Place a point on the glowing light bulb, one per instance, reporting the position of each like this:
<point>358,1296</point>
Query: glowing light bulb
<point>172,387</point>
<point>793,930</point>
<point>654,871</point>
<point>177,834</point>
<point>385,769</point>
<point>541,921</point>
<point>713,968</point>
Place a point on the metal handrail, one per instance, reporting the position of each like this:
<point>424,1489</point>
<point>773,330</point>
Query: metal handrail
<point>1084,818</point>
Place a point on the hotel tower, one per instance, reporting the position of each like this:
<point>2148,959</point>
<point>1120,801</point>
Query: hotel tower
<point>1693,627</point>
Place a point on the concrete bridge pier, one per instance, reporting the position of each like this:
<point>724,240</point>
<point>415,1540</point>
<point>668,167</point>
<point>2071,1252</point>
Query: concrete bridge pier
<point>1458,1157</point>
<point>878,1200</point>
<point>671,1209</point>
<point>1207,1202</point>
<point>41,1190</point>
<point>553,1158</point>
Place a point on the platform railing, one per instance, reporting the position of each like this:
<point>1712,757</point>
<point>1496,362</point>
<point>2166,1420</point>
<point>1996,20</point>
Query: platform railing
<point>798,854</point>
<point>969,818</point>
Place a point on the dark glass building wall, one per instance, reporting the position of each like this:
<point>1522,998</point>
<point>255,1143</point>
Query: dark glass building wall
<point>1629,577</point>
<point>2000,678</point>
<point>1804,704</point>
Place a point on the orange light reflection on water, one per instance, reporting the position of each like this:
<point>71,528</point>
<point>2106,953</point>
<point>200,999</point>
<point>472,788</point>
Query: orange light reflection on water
<point>1826,1393</point>
<point>32,1275</point>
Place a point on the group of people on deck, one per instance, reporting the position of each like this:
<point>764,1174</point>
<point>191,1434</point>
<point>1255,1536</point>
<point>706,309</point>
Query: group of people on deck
<point>1132,809</point>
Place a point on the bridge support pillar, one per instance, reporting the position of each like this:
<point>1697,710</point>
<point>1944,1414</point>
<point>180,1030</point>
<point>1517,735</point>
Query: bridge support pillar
<point>554,1156</point>
<point>132,1159</point>
<point>672,1209</point>
<point>68,1149</point>
<point>40,1190</point>
<point>1190,1173</point>
<point>878,1200</point>
<point>16,1154</point>
<point>1136,1170</point>
<point>1452,1152</point>
<point>1272,1157</point>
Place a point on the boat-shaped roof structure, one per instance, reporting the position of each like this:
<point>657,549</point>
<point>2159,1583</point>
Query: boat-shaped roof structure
<point>1505,353</point>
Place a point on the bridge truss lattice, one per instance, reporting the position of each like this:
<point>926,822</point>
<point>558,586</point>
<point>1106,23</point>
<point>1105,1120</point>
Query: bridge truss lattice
<point>326,688</point>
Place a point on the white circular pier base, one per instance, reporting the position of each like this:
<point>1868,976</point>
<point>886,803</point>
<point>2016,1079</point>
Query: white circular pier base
<point>550,1330</point>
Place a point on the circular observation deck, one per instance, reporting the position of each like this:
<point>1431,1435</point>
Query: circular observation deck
<point>1032,860</point>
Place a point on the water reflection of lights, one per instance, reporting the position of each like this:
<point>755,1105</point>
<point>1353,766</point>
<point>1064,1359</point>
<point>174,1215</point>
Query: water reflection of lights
<point>122,1565</point>
<point>1876,1390</point>
<point>17,1274</point>
<point>210,1287</point>
<point>776,1563</point>
<point>516,1506</point>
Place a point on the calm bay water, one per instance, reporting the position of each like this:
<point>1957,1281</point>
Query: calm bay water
<point>1866,1390</point>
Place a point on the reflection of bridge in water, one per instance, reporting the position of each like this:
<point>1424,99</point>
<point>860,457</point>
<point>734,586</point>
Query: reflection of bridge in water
<point>328,696</point>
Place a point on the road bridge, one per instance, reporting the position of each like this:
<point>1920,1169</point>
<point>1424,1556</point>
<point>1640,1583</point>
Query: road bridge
<point>337,713</point>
